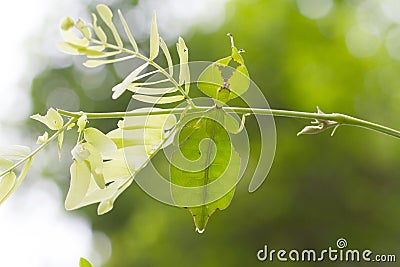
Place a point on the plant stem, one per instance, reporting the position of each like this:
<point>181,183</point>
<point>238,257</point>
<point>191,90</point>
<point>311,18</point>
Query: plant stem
<point>39,148</point>
<point>336,117</point>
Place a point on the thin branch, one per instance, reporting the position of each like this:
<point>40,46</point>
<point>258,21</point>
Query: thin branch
<point>39,148</point>
<point>341,119</point>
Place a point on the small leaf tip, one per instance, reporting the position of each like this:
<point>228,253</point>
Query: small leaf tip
<point>232,41</point>
<point>200,231</point>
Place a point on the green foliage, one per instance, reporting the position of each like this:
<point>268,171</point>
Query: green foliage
<point>213,168</point>
<point>204,159</point>
<point>223,82</point>
<point>318,188</point>
<point>7,183</point>
<point>84,263</point>
<point>97,50</point>
<point>154,39</point>
<point>52,119</point>
<point>89,183</point>
<point>8,179</point>
<point>105,164</point>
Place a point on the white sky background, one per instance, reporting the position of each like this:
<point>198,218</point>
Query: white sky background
<point>35,230</point>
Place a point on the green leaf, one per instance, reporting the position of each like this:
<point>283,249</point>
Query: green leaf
<point>120,88</point>
<point>67,24</point>
<point>6,185</point>
<point>79,185</point>
<point>5,164</point>
<point>165,121</point>
<point>68,48</point>
<point>231,124</point>
<point>95,162</point>
<point>80,153</point>
<point>158,99</point>
<point>136,88</point>
<point>98,30</point>
<point>210,81</point>
<point>60,143</point>
<point>52,119</point>
<point>128,32</point>
<point>24,171</point>
<point>71,38</point>
<point>82,121</point>
<point>150,83</point>
<point>92,51</point>
<point>223,82</point>
<point>106,205</point>
<point>154,39</point>
<point>239,82</point>
<point>167,54</point>
<point>104,55</point>
<point>116,173</point>
<point>100,141</point>
<point>107,15</point>
<point>43,138</point>
<point>116,169</point>
<point>93,63</point>
<point>184,73</point>
<point>137,137</point>
<point>97,195</point>
<point>14,152</point>
<point>83,28</point>
<point>203,142</point>
<point>19,180</point>
<point>70,126</point>
<point>84,263</point>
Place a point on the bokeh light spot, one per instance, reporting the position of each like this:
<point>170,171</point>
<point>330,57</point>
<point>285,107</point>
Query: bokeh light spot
<point>361,43</point>
<point>314,9</point>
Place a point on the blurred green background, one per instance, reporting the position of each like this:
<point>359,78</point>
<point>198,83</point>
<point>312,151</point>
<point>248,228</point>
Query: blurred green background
<point>340,55</point>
